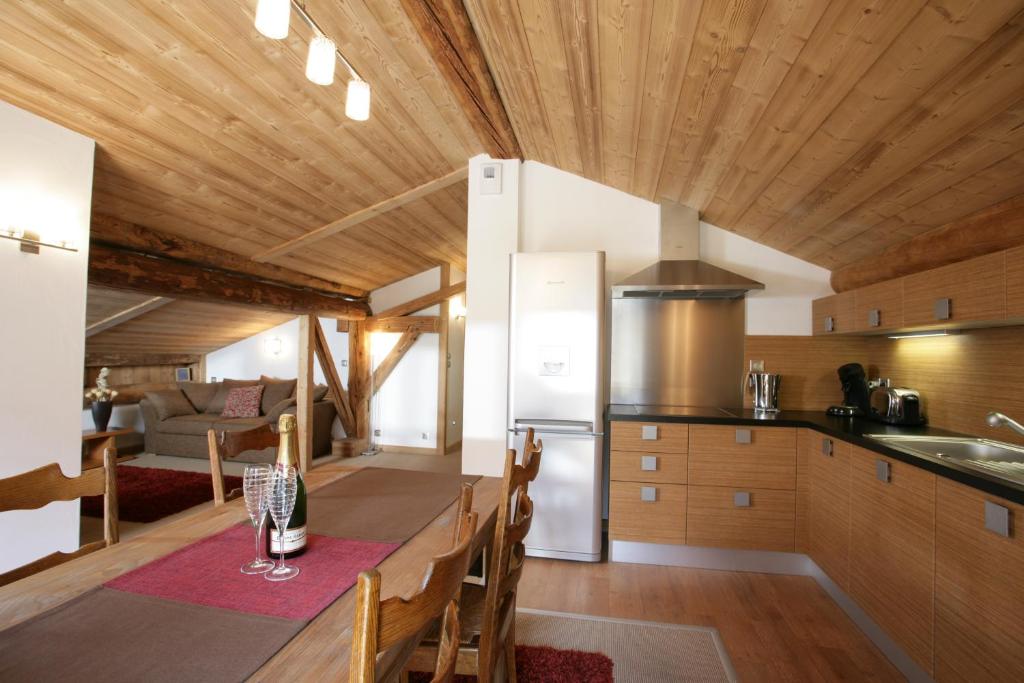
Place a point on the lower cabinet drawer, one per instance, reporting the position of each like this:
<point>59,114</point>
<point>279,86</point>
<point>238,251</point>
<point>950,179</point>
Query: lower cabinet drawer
<point>749,519</point>
<point>650,513</point>
<point>660,468</point>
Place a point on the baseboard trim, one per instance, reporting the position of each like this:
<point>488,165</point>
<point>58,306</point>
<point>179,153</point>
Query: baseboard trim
<point>766,562</point>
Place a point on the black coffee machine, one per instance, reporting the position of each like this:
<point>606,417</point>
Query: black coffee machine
<point>856,394</point>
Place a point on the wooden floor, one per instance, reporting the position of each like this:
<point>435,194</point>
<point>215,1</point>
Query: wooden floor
<point>775,628</point>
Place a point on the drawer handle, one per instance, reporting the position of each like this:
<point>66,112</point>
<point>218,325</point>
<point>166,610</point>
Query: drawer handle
<point>997,519</point>
<point>882,472</point>
<point>827,447</point>
<point>943,309</point>
<point>649,463</point>
<point>743,436</point>
<point>830,324</point>
<point>741,499</point>
<point>649,432</point>
<point>874,317</point>
<point>648,494</point>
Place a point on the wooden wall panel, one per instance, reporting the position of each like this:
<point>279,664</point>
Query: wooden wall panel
<point>807,365</point>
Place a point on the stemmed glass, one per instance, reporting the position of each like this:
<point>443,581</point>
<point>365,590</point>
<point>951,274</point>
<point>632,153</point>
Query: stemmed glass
<point>283,487</point>
<point>256,488</point>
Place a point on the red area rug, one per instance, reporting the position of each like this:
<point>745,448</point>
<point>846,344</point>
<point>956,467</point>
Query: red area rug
<point>548,665</point>
<point>146,494</point>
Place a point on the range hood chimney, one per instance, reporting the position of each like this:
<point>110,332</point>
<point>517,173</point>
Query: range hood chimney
<point>680,274</point>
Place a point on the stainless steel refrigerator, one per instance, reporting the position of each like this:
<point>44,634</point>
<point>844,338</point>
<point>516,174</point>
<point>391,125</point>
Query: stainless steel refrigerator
<point>556,381</point>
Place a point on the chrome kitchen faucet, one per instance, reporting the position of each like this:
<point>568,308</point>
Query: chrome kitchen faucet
<point>998,420</point>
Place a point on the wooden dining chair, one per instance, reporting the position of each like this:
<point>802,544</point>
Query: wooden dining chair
<point>227,445</point>
<point>385,632</point>
<point>487,637</point>
<point>48,484</point>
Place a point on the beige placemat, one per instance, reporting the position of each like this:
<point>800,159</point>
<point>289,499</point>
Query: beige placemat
<point>377,504</point>
<point>643,651</point>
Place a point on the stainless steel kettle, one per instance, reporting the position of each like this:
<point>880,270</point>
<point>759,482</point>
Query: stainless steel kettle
<point>897,406</point>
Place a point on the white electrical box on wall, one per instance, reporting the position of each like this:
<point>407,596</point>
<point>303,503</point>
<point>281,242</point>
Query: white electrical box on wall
<point>490,181</point>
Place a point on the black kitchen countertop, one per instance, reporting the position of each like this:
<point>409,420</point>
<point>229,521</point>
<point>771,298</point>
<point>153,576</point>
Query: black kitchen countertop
<point>851,429</point>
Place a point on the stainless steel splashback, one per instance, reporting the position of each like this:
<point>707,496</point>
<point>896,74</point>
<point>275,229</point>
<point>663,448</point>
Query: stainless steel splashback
<point>684,352</point>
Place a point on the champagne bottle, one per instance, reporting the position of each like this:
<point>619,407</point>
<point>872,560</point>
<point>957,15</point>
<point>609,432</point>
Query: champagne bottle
<point>295,533</point>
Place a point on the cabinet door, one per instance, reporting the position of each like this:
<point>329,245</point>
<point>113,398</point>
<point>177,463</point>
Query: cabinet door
<point>650,513</point>
<point>829,525</point>
<point>1015,283</point>
<point>833,314</point>
<point>969,291</point>
<point>747,519</point>
<point>878,307</point>
<point>658,468</point>
<point>979,586</point>
<point>804,452</point>
<point>892,549</point>
<point>650,437</point>
<point>744,457</point>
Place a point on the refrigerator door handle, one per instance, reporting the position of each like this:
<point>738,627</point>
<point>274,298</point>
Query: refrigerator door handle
<point>547,426</point>
<point>542,430</point>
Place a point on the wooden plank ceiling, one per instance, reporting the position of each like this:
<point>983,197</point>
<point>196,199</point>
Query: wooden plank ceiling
<point>828,130</point>
<point>180,327</point>
<point>208,130</point>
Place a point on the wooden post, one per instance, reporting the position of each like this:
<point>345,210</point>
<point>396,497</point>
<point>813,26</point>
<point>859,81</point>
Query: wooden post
<point>359,378</point>
<point>304,391</point>
<point>442,364</point>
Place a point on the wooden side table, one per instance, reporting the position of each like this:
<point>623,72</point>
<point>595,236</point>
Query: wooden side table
<point>95,443</point>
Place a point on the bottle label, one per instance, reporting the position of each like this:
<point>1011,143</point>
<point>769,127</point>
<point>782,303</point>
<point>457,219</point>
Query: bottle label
<point>294,538</point>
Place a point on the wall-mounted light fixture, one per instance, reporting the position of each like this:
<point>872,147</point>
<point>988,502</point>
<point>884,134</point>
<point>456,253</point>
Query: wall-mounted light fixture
<point>31,241</point>
<point>924,333</point>
<point>456,308</point>
<point>273,346</point>
<point>272,18</point>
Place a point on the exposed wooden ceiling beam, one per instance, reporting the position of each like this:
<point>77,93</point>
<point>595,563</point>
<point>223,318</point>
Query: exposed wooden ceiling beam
<point>996,228</point>
<point>387,366</point>
<point>113,231</point>
<point>419,323</point>
<point>126,315</point>
<point>418,304</point>
<point>446,30</point>
<point>123,269</point>
<point>362,215</point>
<point>112,360</point>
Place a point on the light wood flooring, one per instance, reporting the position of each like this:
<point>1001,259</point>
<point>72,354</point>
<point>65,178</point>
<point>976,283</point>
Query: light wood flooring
<point>775,627</point>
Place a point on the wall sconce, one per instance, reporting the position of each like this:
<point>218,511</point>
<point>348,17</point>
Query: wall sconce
<point>456,308</point>
<point>30,241</point>
<point>273,346</point>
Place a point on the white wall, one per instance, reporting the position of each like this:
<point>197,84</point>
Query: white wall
<point>46,187</point>
<point>456,358</point>
<point>492,235</point>
<point>551,210</point>
<point>784,307</point>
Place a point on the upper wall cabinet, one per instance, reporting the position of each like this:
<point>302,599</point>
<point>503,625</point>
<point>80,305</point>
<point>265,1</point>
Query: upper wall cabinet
<point>970,291</point>
<point>1015,283</point>
<point>834,314</point>
<point>983,291</point>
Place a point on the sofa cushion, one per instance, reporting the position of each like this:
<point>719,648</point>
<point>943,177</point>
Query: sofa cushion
<point>319,391</point>
<point>170,403</point>
<point>243,402</point>
<point>275,411</point>
<point>199,394</point>
<point>239,424</point>
<point>191,425</point>
<point>216,405</point>
<point>275,391</point>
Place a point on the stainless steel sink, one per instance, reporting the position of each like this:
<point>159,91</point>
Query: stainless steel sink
<point>998,459</point>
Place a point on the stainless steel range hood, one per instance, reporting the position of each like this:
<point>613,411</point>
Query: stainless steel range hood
<point>684,280</point>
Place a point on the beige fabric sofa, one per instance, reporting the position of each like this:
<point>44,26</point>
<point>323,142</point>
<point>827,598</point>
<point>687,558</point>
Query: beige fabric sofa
<point>185,435</point>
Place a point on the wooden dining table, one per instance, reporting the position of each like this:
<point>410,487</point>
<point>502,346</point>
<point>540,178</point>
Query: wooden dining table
<point>320,651</point>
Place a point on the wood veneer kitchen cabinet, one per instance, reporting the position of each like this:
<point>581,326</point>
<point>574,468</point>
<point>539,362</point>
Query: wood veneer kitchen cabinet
<point>804,451</point>
<point>744,457</point>
<point>1015,283</point>
<point>834,314</point>
<point>653,437</point>
<point>972,291</point>
<point>878,307</point>
<point>829,507</point>
<point>892,549</point>
<point>979,587</point>
<point>653,467</point>
<point>649,513</point>
<point>746,519</point>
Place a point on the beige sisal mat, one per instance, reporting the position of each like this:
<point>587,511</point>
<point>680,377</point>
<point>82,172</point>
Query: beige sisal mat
<point>643,651</point>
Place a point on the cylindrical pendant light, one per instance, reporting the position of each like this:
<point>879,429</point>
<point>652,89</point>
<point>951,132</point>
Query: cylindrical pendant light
<point>272,18</point>
<point>357,100</point>
<point>320,61</point>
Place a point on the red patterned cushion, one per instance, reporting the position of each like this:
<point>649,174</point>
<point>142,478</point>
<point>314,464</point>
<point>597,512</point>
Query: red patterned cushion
<point>243,402</point>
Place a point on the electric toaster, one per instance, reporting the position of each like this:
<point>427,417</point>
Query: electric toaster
<point>897,406</point>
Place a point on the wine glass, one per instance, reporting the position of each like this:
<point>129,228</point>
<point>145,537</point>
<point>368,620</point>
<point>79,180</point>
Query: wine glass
<point>283,487</point>
<point>256,488</point>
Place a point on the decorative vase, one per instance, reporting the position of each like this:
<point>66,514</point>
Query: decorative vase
<point>101,414</point>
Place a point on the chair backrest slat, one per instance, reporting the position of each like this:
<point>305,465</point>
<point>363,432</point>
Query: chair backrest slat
<point>225,445</point>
